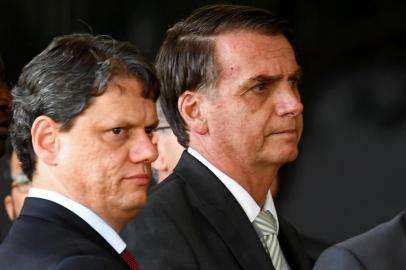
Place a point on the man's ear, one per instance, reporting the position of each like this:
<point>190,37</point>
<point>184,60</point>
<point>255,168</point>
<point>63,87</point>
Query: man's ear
<point>191,109</point>
<point>9,205</point>
<point>44,133</point>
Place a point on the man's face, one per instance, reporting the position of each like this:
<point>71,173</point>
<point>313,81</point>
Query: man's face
<point>169,151</point>
<point>19,188</point>
<point>5,113</point>
<point>255,112</point>
<point>105,158</point>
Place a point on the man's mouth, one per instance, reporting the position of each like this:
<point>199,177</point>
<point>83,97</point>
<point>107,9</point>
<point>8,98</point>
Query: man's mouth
<point>292,131</point>
<point>140,179</point>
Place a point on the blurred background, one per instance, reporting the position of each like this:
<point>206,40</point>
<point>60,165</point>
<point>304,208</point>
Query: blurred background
<point>350,172</point>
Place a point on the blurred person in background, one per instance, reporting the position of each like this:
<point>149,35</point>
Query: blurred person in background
<point>18,182</point>
<point>169,149</point>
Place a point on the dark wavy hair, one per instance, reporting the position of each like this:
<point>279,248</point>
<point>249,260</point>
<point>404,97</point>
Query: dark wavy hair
<point>61,80</point>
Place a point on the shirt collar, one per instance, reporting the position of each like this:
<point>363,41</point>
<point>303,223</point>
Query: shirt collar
<point>91,218</point>
<point>248,204</point>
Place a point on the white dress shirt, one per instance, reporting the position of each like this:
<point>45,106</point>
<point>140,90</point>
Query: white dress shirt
<point>248,204</point>
<point>90,217</point>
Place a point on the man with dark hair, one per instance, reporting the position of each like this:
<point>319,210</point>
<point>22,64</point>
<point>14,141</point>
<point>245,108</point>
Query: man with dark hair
<point>229,90</point>
<point>84,113</point>
<point>5,108</point>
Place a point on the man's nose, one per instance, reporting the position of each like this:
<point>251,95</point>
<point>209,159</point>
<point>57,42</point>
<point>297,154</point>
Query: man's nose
<point>143,150</point>
<point>289,102</point>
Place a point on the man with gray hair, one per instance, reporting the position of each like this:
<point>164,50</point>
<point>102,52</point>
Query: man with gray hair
<point>229,91</point>
<point>84,114</point>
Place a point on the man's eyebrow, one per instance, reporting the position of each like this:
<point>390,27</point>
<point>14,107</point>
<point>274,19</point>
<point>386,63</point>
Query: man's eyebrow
<point>154,125</point>
<point>266,79</point>
<point>262,78</point>
<point>122,122</point>
<point>297,74</point>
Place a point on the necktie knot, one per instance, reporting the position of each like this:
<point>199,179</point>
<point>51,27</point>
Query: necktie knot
<point>265,224</point>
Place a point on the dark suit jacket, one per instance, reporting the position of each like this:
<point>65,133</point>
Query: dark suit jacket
<point>49,236</point>
<point>383,247</point>
<point>192,221</point>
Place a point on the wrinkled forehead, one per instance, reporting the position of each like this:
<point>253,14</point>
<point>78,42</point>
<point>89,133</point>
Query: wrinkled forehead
<point>243,43</point>
<point>241,54</point>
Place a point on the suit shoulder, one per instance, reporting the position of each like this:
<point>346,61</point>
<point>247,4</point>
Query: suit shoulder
<point>382,247</point>
<point>42,243</point>
<point>338,258</point>
<point>173,181</point>
<point>381,236</point>
<point>171,191</point>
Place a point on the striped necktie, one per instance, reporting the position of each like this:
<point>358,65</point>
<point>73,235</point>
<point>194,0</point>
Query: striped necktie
<point>129,260</point>
<point>265,225</point>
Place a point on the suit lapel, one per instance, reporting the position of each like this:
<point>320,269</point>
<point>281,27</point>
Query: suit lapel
<point>292,247</point>
<point>224,213</point>
<point>57,214</point>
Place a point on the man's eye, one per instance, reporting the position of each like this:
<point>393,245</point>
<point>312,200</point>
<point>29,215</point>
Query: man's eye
<point>149,130</point>
<point>260,87</point>
<point>117,130</point>
<point>294,82</point>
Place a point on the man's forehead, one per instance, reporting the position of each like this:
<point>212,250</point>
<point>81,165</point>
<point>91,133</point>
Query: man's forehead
<point>123,102</point>
<point>119,87</point>
<point>125,84</point>
<point>251,50</point>
<point>243,40</point>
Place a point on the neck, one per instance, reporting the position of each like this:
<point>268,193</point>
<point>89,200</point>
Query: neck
<point>256,181</point>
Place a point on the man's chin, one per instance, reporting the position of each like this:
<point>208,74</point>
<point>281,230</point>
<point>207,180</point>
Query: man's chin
<point>133,209</point>
<point>293,155</point>
<point>288,156</point>
<point>138,201</point>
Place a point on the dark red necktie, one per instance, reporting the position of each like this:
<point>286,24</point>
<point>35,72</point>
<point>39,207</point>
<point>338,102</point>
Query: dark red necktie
<point>129,260</point>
